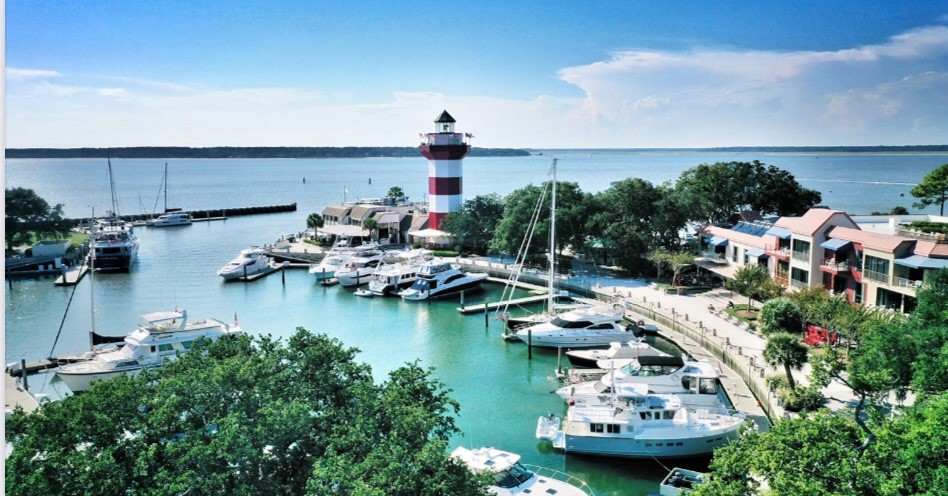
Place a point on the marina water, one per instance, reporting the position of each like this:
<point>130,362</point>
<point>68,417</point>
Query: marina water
<point>501,392</point>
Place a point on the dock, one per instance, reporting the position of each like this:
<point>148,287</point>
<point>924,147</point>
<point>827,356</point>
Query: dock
<point>480,307</point>
<point>71,277</point>
<point>16,395</point>
<point>273,268</point>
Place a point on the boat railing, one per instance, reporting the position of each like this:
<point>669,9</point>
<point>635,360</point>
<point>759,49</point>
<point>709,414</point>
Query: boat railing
<point>560,476</point>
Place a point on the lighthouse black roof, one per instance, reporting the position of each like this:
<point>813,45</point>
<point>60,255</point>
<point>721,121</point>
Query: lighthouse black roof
<point>445,117</point>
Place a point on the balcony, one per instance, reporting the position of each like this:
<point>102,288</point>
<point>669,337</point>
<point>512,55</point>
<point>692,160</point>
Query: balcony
<point>714,257</point>
<point>777,252</point>
<point>803,256</point>
<point>876,276</point>
<point>834,266</point>
<point>798,284</point>
<point>903,282</point>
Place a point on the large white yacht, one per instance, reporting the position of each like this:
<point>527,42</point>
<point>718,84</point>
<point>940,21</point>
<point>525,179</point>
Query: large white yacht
<point>160,336</point>
<point>115,246</point>
<point>335,258</point>
<point>617,351</point>
<point>358,269</point>
<point>696,383</point>
<point>249,263</point>
<point>640,425</point>
<point>390,278</point>
<point>512,477</point>
<point>579,328</point>
<point>440,278</point>
<point>171,219</point>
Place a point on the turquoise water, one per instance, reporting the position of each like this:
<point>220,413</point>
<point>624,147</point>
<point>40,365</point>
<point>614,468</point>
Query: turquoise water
<point>501,392</point>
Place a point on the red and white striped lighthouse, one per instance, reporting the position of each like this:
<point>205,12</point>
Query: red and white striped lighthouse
<point>445,151</point>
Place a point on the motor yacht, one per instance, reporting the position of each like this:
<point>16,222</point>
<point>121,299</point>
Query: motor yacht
<point>439,278</point>
<point>171,219</point>
<point>579,328</point>
<point>115,246</point>
<point>249,263</point>
<point>512,477</point>
<point>640,425</point>
<point>617,350</point>
<point>160,336</point>
<point>392,277</point>
<point>359,268</point>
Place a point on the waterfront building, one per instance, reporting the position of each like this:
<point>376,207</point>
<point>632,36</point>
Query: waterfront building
<point>872,260</point>
<point>394,221</point>
<point>445,150</point>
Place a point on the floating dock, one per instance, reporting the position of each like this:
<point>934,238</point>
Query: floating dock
<point>71,277</point>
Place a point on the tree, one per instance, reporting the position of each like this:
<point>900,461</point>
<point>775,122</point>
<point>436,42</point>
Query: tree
<point>675,261</point>
<point>475,223</point>
<point>780,315</point>
<point>524,204</point>
<point>933,190</point>
<point>27,213</point>
<point>748,281</point>
<point>315,221</point>
<point>372,226</point>
<point>713,192</point>
<point>787,351</point>
<point>395,193</point>
<point>246,416</point>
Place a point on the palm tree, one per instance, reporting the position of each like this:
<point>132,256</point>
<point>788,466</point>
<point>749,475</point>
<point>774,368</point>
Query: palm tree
<point>785,349</point>
<point>372,226</point>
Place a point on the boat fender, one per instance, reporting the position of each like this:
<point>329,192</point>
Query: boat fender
<point>641,323</point>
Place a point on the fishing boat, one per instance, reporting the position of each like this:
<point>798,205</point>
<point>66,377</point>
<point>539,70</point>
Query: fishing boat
<point>640,425</point>
<point>439,278</point>
<point>160,336</point>
<point>512,477</point>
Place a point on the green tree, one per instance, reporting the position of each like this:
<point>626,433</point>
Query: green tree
<point>749,280</point>
<point>29,214</point>
<point>315,221</point>
<point>371,225</point>
<point>665,260</point>
<point>474,225</point>
<point>933,190</point>
<point>524,204</point>
<point>245,416</point>
<point>713,192</point>
<point>395,193</point>
<point>780,315</point>
<point>787,351</point>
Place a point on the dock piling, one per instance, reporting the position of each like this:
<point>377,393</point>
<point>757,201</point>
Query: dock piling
<point>485,316</point>
<point>26,385</point>
<point>529,344</point>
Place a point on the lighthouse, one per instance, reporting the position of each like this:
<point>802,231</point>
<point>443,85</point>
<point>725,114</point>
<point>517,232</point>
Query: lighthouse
<point>445,149</point>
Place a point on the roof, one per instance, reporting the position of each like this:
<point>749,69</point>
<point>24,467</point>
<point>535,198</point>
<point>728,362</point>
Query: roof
<point>337,211</point>
<point>736,236</point>
<point>388,218</point>
<point>882,242</point>
<point>445,117</point>
<point>928,248</point>
<point>362,212</point>
<point>344,230</point>
<point>810,222</point>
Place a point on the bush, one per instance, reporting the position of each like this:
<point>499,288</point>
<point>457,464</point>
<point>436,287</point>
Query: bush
<point>807,398</point>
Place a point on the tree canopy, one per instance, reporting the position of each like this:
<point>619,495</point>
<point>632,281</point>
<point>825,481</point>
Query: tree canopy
<point>27,213</point>
<point>933,190</point>
<point>474,225</point>
<point>246,416</point>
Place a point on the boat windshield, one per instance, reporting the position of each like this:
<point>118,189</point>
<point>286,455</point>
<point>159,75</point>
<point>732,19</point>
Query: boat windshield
<point>570,324</point>
<point>513,476</point>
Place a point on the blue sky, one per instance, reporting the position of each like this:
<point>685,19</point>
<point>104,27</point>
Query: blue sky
<point>560,74</point>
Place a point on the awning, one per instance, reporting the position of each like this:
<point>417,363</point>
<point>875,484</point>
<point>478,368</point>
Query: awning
<point>430,233</point>
<point>921,262</point>
<point>755,253</point>
<point>835,244</point>
<point>717,241</point>
<point>344,230</point>
<point>780,232</point>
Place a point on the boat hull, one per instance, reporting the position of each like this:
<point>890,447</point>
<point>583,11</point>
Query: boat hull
<point>80,381</point>
<point>355,278</point>
<point>629,447</point>
<point>414,295</point>
<point>574,340</point>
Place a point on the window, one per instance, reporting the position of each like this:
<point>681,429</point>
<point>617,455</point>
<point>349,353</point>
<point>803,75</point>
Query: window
<point>186,344</point>
<point>595,428</point>
<point>876,269</point>
<point>165,347</point>
<point>668,414</point>
<point>613,428</point>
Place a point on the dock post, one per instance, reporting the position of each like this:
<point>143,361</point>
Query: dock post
<point>283,274</point>
<point>245,272</point>
<point>559,360</point>
<point>26,386</point>
<point>462,298</point>
<point>485,316</point>
<point>529,343</point>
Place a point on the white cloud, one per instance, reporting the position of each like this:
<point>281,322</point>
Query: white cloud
<point>17,74</point>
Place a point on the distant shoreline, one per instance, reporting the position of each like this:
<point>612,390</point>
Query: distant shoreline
<point>258,152</point>
<point>217,152</point>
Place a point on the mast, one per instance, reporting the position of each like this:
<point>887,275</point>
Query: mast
<point>165,182</point>
<point>112,189</point>
<point>549,290</point>
<point>92,285</point>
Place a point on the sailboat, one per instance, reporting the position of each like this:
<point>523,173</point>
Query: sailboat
<point>173,216</point>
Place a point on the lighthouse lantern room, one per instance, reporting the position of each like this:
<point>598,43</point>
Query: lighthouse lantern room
<point>445,150</point>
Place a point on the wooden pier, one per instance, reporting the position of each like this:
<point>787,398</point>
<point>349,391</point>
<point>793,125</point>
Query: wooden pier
<point>16,395</point>
<point>72,276</point>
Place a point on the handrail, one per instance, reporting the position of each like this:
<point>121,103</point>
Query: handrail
<point>560,476</point>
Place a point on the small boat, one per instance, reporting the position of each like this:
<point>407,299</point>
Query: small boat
<point>171,220</point>
<point>640,425</point>
<point>160,336</point>
<point>580,328</point>
<point>696,383</point>
<point>359,268</point>
<point>439,278</point>
<point>512,477</point>
<point>617,350</point>
<point>680,481</point>
<point>251,262</point>
<point>363,292</point>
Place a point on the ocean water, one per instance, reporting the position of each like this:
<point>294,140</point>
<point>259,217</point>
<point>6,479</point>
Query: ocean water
<point>501,392</point>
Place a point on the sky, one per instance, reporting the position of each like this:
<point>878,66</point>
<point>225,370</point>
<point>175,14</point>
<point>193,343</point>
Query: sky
<point>522,74</point>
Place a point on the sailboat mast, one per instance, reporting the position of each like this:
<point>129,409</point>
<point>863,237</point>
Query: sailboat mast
<point>549,290</point>
<point>112,189</point>
<point>165,181</point>
<point>92,284</point>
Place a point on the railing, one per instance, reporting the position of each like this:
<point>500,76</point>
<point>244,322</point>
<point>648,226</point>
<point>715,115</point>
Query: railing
<point>903,282</point>
<point>876,276</point>
<point>780,252</point>
<point>714,257</point>
<point>832,263</point>
<point>798,284</point>
<point>803,256</point>
<point>560,476</point>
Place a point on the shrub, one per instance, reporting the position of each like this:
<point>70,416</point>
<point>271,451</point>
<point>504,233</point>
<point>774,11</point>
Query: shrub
<point>807,398</point>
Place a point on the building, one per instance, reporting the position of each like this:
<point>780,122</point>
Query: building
<point>872,260</point>
<point>445,150</point>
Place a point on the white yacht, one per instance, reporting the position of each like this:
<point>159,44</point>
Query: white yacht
<point>171,219</point>
<point>640,425</point>
<point>160,336</point>
<point>336,257</point>
<point>392,277</point>
<point>251,262</point>
<point>439,278</point>
<point>512,477</point>
<point>696,383</point>
<point>358,269</point>
<point>617,350</point>
<point>579,328</point>
<point>115,246</point>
